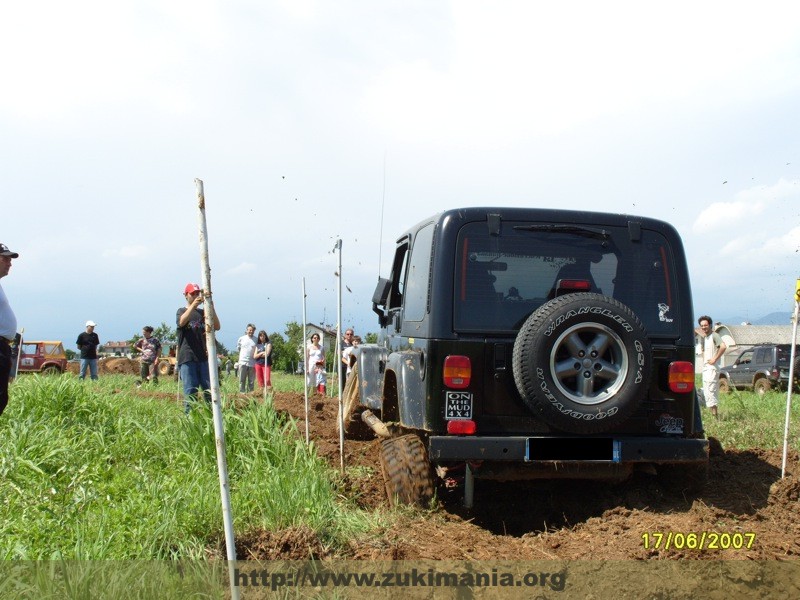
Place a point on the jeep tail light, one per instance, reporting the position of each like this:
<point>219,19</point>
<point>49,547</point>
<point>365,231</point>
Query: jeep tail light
<point>568,286</point>
<point>461,427</point>
<point>457,372</point>
<point>681,376</point>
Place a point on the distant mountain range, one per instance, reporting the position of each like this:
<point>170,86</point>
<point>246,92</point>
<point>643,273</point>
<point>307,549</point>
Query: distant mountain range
<point>776,318</point>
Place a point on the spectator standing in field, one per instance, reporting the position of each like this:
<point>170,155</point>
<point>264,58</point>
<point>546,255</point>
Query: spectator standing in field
<point>88,342</point>
<point>711,347</point>
<point>315,364</point>
<point>246,345</point>
<point>347,342</point>
<point>192,352</point>
<point>228,366</point>
<point>263,356</point>
<point>8,327</point>
<point>150,347</point>
<point>348,355</point>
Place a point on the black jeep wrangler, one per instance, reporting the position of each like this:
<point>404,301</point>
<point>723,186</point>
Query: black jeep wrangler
<point>532,343</point>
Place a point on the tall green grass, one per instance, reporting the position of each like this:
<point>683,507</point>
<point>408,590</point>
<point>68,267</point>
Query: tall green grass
<point>92,470</point>
<point>748,420</point>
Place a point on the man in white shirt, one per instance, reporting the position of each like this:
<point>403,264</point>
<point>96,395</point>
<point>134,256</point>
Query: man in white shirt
<point>247,348</point>
<point>8,327</point>
<point>712,348</point>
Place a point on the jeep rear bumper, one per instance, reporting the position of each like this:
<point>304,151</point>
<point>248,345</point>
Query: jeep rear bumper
<point>540,449</point>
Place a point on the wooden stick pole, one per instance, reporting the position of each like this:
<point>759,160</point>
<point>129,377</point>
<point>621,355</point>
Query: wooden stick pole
<point>219,429</point>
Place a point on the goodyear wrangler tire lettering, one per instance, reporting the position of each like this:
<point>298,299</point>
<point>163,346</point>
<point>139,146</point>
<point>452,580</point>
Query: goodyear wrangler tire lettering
<point>582,362</point>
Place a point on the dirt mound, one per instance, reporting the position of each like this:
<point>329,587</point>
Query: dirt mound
<point>106,366</point>
<point>121,366</point>
<point>294,543</point>
<point>750,511</point>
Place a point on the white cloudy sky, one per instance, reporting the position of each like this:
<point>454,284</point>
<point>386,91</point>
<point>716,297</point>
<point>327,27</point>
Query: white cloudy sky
<point>300,116</point>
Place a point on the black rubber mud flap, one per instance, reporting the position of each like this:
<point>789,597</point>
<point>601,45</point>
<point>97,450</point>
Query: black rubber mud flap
<point>582,363</point>
<point>354,427</point>
<point>406,470</point>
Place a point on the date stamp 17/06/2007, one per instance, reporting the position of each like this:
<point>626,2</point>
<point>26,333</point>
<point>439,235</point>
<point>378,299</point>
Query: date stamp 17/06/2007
<point>698,540</point>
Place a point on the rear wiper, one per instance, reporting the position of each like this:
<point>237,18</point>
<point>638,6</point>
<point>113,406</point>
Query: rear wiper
<point>591,232</point>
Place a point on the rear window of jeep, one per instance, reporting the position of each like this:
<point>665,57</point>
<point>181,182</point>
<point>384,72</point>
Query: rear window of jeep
<point>501,279</point>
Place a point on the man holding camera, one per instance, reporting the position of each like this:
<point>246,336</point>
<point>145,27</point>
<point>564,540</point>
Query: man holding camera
<point>192,352</point>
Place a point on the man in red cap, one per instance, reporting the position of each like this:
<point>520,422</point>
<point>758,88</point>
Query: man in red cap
<point>8,327</point>
<point>192,352</point>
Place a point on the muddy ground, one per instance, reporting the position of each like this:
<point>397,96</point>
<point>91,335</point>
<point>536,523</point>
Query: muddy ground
<point>554,520</point>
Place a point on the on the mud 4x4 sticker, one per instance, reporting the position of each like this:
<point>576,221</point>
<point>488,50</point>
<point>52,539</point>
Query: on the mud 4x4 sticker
<point>457,405</point>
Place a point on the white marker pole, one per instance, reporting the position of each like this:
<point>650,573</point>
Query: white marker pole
<point>219,429</point>
<point>338,361</point>
<point>792,356</point>
<point>305,360</point>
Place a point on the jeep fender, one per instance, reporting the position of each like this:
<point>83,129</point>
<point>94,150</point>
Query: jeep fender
<point>404,389</point>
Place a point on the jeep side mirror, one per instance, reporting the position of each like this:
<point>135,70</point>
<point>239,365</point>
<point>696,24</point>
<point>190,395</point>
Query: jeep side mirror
<point>381,293</point>
<point>379,298</point>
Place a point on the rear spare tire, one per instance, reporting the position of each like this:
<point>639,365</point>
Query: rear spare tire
<point>582,363</point>
<point>406,470</point>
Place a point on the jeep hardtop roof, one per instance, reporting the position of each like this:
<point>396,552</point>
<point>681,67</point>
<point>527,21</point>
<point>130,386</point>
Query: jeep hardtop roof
<point>512,243</point>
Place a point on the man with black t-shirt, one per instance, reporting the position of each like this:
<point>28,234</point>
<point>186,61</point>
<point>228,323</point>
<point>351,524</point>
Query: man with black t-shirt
<point>87,343</point>
<point>192,353</point>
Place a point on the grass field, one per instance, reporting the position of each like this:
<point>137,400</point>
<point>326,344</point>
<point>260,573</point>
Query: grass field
<point>93,470</point>
<point>90,470</point>
<point>750,421</point>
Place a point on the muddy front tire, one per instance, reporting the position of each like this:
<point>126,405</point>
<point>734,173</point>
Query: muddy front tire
<point>406,470</point>
<point>762,386</point>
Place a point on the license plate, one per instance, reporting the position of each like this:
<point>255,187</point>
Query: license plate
<point>458,405</point>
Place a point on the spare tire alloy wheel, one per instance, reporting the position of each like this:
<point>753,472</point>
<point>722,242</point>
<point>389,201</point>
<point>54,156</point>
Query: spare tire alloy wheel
<point>582,362</point>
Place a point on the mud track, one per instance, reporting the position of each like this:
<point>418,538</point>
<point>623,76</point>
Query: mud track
<point>552,520</point>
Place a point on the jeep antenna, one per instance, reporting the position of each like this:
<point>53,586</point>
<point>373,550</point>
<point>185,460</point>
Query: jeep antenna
<point>383,203</point>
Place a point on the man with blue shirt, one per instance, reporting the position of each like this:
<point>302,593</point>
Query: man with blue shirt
<point>8,327</point>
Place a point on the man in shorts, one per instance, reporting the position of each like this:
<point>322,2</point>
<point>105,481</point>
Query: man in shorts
<point>711,347</point>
